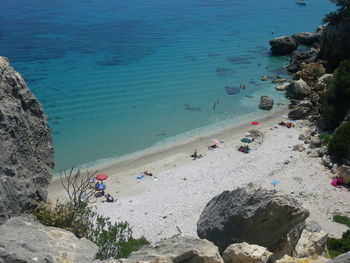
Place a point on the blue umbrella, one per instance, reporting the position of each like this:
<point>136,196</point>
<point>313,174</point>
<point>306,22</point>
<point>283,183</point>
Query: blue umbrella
<point>275,182</point>
<point>100,187</point>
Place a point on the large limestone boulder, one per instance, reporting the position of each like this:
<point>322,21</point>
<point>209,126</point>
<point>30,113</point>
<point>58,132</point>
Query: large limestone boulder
<point>311,243</point>
<point>178,249</point>
<point>307,38</point>
<point>245,253</point>
<point>283,45</point>
<point>26,155</point>
<point>266,103</point>
<point>250,214</point>
<point>298,89</point>
<point>23,239</point>
<point>344,258</point>
<point>344,173</point>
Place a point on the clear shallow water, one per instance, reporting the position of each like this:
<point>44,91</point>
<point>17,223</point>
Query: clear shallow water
<point>116,77</point>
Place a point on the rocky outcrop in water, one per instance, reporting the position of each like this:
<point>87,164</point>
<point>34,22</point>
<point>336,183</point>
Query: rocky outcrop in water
<point>307,38</point>
<point>23,239</point>
<point>26,155</point>
<point>253,215</point>
<point>283,45</point>
<point>266,103</point>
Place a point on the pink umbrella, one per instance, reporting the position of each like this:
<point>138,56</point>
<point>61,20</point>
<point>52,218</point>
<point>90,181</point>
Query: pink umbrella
<point>101,177</point>
<point>215,141</point>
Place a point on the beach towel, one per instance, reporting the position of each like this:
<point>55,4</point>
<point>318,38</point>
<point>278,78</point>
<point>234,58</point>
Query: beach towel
<point>246,140</point>
<point>255,122</point>
<point>140,177</point>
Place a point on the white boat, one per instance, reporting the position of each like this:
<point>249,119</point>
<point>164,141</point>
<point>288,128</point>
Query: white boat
<point>301,2</point>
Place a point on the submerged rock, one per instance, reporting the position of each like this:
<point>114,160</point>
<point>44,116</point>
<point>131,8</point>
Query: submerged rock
<point>26,155</point>
<point>23,239</point>
<point>232,90</point>
<point>250,214</point>
<point>266,103</point>
<point>283,45</point>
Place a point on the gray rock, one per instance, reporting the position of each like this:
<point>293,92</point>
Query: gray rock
<point>23,239</point>
<point>323,80</point>
<point>344,173</point>
<point>298,57</point>
<point>298,147</point>
<point>313,153</point>
<point>301,110</point>
<point>246,253</point>
<point>313,226</point>
<point>250,214</point>
<point>343,258</point>
<point>298,89</point>
<point>266,103</point>
<point>283,45</point>
<point>322,151</point>
<point>26,155</point>
<point>307,38</point>
<point>302,137</point>
<point>315,143</point>
<point>178,249</point>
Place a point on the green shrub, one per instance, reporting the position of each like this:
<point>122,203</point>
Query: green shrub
<point>334,103</point>
<point>342,220</point>
<point>339,145</point>
<point>339,246</point>
<point>113,240</point>
<point>325,137</point>
<point>66,216</point>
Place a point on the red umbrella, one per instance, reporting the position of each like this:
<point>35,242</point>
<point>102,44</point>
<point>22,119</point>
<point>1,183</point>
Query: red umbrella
<point>101,177</point>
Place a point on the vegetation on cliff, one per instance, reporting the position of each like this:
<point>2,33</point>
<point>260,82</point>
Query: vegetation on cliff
<point>76,215</point>
<point>335,246</point>
<point>342,14</point>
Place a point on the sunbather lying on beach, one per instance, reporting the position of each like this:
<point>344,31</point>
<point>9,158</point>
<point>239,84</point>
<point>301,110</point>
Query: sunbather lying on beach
<point>99,193</point>
<point>212,147</point>
<point>286,124</point>
<point>109,198</point>
<point>147,173</point>
<point>244,149</point>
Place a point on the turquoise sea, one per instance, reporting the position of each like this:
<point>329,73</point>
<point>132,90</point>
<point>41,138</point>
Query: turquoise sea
<point>116,77</point>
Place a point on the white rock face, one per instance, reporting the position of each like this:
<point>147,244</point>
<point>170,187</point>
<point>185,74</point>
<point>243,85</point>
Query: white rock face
<point>178,249</point>
<point>311,243</point>
<point>245,253</point>
<point>288,259</point>
<point>298,89</point>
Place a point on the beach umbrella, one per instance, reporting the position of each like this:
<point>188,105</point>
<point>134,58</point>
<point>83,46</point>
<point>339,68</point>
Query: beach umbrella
<point>215,141</point>
<point>100,187</point>
<point>275,182</point>
<point>255,122</point>
<point>101,177</point>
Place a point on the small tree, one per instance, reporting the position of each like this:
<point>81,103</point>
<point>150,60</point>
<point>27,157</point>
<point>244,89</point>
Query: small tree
<point>77,186</point>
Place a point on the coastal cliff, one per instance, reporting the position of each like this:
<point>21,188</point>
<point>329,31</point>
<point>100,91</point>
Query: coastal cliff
<point>26,152</point>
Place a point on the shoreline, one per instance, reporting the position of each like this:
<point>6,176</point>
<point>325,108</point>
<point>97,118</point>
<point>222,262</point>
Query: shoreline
<point>142,159</point>
<point>157,207</point>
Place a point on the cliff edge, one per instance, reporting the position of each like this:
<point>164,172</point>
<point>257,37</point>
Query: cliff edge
<point>26,152</point>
